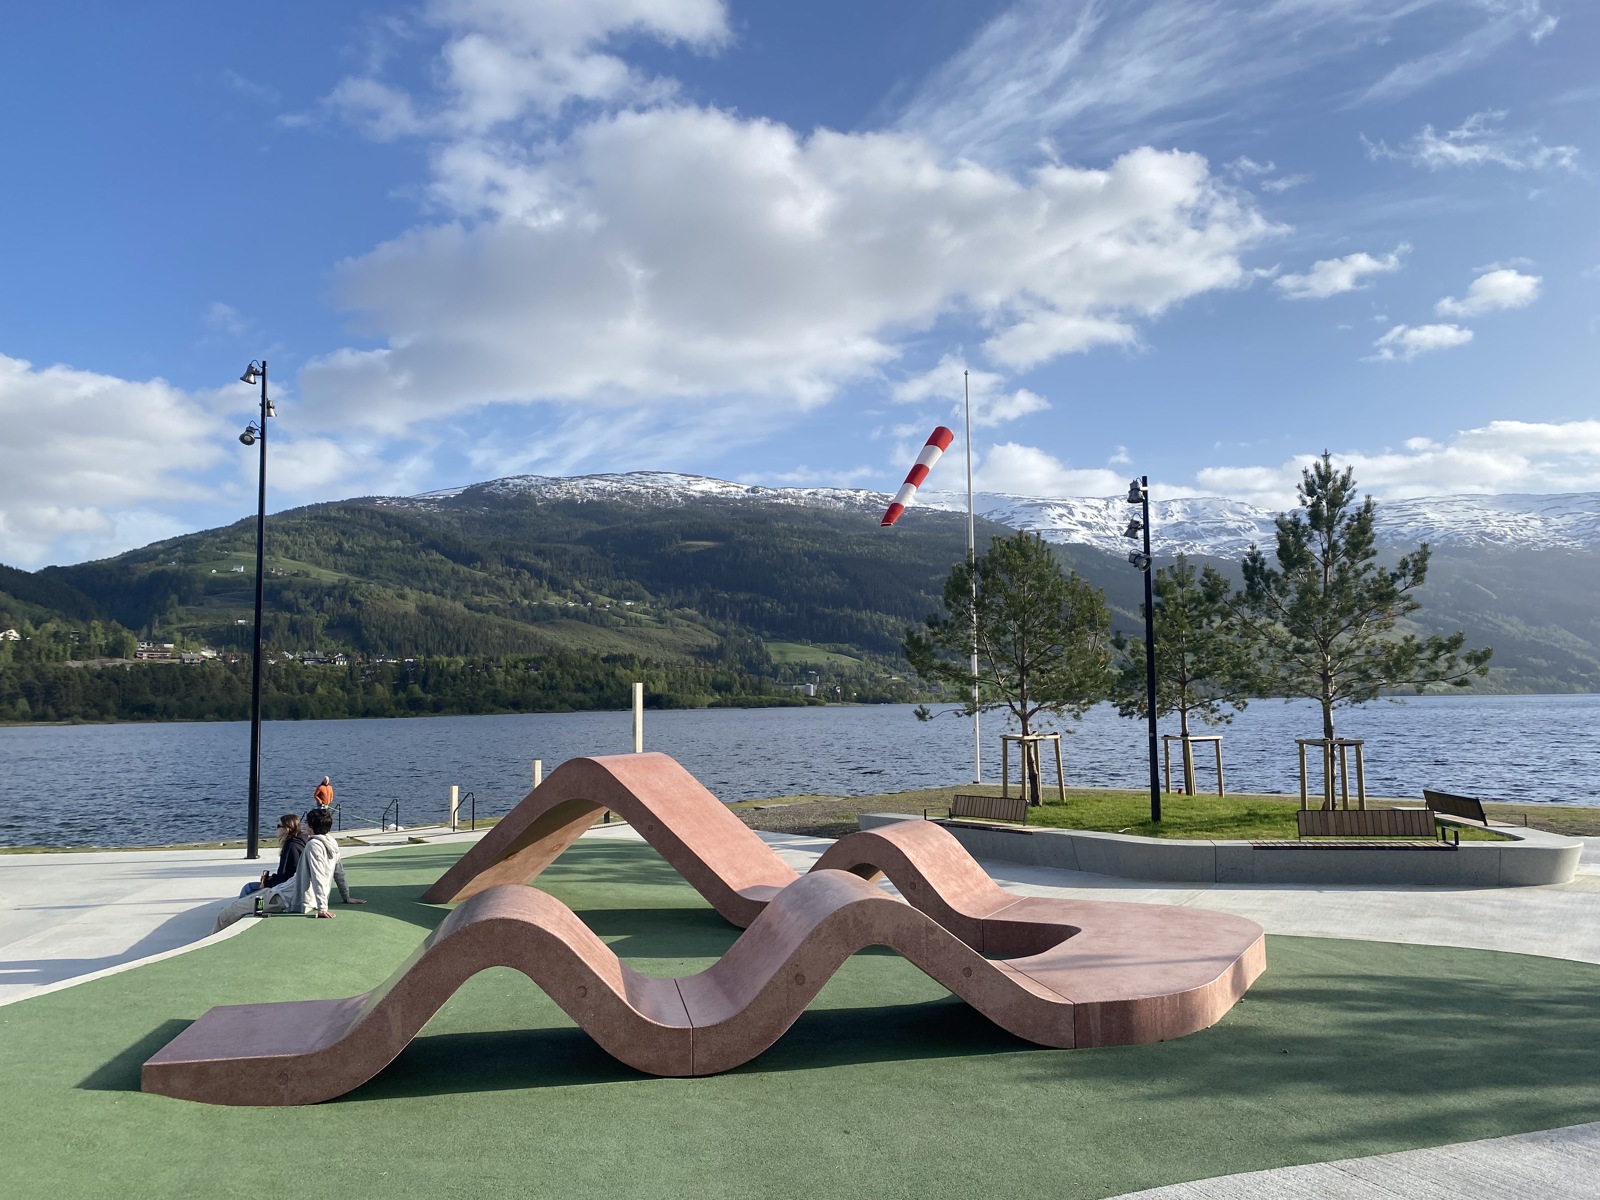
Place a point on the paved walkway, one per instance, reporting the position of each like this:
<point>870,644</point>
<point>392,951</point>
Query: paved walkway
<point>1558,921</point>
<point>65,918</point>
<point>1557,1164</point>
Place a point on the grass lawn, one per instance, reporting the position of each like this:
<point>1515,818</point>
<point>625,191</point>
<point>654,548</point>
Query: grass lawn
<point>1110,811</point>
<point>799,652</point>
<point>886,1087</point>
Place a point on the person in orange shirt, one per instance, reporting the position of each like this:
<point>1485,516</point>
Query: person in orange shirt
<point>324,799</point>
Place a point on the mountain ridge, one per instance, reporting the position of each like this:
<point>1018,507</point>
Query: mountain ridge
<point>1209,526</point>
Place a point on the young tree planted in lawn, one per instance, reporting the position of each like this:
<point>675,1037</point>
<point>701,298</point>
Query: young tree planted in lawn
<point>1043,637</point>
<point>1325,615</point>
<point>1204,660</point>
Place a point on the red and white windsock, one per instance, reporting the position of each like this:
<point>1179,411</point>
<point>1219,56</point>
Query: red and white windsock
<point>938,442</point>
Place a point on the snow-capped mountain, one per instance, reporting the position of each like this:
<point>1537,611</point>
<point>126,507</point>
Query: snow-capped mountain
<point>1200,525</point>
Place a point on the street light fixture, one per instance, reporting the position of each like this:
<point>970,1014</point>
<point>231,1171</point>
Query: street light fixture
<point>256,434</point>
<point>1139,493</point>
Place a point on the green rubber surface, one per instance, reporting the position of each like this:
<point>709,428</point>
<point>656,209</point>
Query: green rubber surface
<point>886,1087</point>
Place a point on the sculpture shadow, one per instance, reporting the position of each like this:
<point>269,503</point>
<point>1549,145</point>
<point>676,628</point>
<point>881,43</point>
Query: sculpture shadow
<point>121,1073</point>
<point>517,1060</point>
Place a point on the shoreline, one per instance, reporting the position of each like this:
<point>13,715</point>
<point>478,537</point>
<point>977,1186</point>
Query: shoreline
<point>765,703</point>
<point>803,810</point>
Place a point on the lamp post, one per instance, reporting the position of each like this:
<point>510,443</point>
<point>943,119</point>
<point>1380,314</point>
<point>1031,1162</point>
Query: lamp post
<point>1139,493</point>
<point>254,433</point>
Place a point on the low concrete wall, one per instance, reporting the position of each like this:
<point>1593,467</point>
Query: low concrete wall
<point>1530,858</point>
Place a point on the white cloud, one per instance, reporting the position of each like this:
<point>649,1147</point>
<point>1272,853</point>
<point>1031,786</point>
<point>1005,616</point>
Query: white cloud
<point>85,456</point>
<point>1490,292</point>
<point>506,60</point>
<point>262,92</point>
<point>1502,457</point>
<point>682,252</point>
<point>224,318</point>
<point>1331,276</point>
<point>1029,471</point>
<point>1478,141</point>
<point>1087,72</point>
<point>992,404</point>
<point>1405,342</point>
<point>1283,183</point>
<point>1245,168</point>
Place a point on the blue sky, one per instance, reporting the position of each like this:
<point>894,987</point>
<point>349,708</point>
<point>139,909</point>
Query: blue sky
<point>1197,239</point>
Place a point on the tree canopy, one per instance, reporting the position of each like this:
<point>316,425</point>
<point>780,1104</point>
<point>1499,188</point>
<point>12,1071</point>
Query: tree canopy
<point>1325,615</point>
<point>1043,635</point>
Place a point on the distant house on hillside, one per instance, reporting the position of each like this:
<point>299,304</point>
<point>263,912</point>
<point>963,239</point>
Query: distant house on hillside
<point>237,570</point>
<point>10,635</point>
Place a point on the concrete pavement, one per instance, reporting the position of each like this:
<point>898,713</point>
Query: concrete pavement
<point>67,918</point>
<point>1557,921</point>
<point>1555,1164</point>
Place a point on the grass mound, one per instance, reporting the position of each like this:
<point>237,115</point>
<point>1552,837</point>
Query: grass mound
<point>1239,817</point>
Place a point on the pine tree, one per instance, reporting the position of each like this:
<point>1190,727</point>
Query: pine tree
<point>1204,659</point>
<point>1325,616</point>
<point>1043,637</point>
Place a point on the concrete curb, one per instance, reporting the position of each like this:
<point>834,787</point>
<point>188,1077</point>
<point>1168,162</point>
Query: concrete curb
<point>1531,858</point>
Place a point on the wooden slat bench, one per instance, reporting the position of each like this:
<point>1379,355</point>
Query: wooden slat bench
<point>1370,823</point>
<point>987,808</point>
<point>1353,844</point>
<point>1455,806</point>
<point>1341,829</point>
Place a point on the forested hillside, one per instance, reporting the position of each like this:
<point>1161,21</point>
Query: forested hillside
<point>474,577</point>
<point>514,602</point>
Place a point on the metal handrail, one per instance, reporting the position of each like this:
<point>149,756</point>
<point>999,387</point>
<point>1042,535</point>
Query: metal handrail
<point>472,801</point>
<point>383,819</point>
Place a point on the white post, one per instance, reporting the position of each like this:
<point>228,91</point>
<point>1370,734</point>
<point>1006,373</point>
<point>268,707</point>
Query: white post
<point>455,803</point>
<point>972,558</point>
<point>638,718</point>
<point>538,771</point>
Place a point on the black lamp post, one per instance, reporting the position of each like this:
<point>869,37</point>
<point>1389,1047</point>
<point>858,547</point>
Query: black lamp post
<point>256,432</point>
<point>1139,493</point>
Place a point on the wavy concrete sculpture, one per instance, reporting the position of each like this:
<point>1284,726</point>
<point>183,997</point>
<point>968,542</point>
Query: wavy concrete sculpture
<point>1076,992</point>
<point>718,854</point>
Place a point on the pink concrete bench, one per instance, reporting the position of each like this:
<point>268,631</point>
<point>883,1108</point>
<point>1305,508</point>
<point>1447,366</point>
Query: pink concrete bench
<point>1071,973</point>
<point>303,1052</point>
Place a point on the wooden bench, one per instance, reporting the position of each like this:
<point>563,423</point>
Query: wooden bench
<point>1371,822</point>
<point>1455,806</point>
<point>987,808</point>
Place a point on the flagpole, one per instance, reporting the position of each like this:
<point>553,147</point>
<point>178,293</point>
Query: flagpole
<point>972,560</point>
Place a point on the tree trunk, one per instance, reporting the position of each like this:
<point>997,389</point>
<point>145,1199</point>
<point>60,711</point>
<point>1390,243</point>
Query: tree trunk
<point>1030,750</point>
<point>1188,752</point>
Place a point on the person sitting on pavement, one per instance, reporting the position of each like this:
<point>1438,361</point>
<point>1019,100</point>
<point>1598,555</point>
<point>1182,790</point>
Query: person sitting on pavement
<point>318,873</point>
<point>292,843</point>
<point>322,798</point>
<point>321,868</point>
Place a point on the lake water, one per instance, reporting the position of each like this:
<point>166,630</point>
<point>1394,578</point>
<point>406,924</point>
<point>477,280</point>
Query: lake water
<point>144,784</point>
